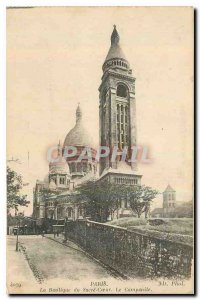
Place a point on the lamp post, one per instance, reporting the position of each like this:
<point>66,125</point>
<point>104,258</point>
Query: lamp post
<point>17,241</point>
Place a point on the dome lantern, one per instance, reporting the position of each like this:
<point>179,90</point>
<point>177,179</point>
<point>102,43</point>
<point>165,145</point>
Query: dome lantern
<point>78,114</point>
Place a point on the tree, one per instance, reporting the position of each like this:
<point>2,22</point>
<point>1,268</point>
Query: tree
<point>14,185</point>
<point>102,199</point>
<point>140,197</point>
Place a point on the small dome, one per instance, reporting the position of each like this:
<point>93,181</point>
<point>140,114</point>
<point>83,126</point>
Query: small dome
<point>59,167</point>
<point>78,136</point>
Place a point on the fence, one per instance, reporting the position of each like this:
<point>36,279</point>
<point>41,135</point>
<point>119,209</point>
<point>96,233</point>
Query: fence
<point>130,253</point>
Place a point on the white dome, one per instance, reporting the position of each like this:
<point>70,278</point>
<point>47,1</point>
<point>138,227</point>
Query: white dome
<point>78,136</point>
<point>59,167</point>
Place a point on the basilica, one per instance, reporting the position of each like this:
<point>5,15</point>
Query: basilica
<point>56,196</point>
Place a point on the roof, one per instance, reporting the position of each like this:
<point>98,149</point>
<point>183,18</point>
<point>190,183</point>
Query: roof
<point>59,166</point>
<point>122,168</point>
<point>87,178</point>
<point>115,50</point>
<point>67,193</point>
<point>169,189</point>
<point>78,136</point>
<point>68,197</point>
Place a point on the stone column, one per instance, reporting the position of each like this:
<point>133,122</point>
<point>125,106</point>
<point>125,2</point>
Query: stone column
<point>132,122</point>
<point>75,213</point>
<point>113,122</point>
<point>124,130</point>
<point>42,210</point>
<point>57,180</point>
<point>56,213</point>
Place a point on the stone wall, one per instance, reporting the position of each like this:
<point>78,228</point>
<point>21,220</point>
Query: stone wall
<point>130,253</point>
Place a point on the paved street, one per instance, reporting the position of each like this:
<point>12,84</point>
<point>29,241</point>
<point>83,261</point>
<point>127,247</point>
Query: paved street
<point>18,269</point>
<point>49,260</point>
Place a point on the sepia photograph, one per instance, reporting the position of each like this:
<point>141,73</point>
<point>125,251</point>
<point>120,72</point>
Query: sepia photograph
<point>100,150</point>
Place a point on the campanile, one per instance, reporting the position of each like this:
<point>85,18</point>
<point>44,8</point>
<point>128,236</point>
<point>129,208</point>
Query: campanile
<point>117,107</point>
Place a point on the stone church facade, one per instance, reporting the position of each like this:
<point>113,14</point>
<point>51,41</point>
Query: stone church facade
<point>56,196</point>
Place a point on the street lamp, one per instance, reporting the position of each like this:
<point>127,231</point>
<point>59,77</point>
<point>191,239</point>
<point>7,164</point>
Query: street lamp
<point>17,241</point>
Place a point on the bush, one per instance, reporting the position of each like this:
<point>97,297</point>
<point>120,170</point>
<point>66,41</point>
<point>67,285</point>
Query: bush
<point>128,221</point>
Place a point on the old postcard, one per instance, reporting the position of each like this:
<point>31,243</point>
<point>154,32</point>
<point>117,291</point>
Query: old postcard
<point>100,150</point>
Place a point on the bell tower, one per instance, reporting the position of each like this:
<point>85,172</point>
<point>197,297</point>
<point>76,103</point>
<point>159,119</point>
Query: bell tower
<point>169,201</point>
<point>117,107</point>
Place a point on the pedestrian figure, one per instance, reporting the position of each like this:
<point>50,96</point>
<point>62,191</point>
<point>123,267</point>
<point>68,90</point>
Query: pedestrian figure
<point>43,232</point>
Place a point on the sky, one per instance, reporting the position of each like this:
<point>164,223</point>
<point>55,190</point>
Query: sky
<point>54,62</point>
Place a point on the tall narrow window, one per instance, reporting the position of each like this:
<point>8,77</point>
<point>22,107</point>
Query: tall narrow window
<point>122,125</point>
<point>69,212</point>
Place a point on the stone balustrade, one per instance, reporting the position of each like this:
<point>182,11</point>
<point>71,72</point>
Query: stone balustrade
<point>131,253</point>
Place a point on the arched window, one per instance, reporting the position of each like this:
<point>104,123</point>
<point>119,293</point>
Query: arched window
<point>79,167</point>
<point>73,167</point>
<point>84,167</point>
<point>69,212</point>
<point>80,211</point>
<point>62,180</point>
<point>125,203</point>
<point>59,212</point>
<point>121,91</point>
